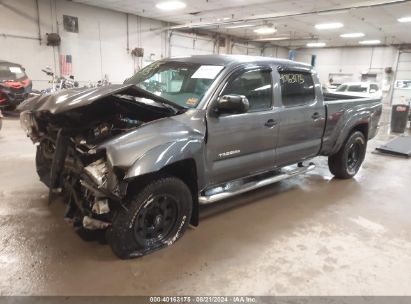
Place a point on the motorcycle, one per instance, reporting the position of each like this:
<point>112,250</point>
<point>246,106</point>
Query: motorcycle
<point>58,83</point>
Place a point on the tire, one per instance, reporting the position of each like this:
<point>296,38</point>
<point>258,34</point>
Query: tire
<point>347,161</point>
<point>43,164</point>
<point>157,216</point>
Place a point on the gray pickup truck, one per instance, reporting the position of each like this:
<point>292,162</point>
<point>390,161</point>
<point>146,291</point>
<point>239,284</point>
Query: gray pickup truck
<point>136,160</point>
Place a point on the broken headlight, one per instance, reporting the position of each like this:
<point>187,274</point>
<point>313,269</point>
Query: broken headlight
<point>29,125</point>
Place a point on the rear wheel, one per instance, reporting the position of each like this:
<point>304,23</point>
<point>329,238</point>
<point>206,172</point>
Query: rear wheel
<point>347,161</point>
<point>157,216</point>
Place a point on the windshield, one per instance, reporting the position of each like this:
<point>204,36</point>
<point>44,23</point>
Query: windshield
<point>180,83</point>
<point>11,72</point>
<point>341,88</point>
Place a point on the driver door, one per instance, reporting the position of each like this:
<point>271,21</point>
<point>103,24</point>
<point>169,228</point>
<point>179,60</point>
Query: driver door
<point>243,144</point>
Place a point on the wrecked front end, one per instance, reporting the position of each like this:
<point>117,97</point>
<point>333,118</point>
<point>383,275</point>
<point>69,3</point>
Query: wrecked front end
<point>69,130</point>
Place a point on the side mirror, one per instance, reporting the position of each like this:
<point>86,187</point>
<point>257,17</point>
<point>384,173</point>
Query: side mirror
<point>232,104</point>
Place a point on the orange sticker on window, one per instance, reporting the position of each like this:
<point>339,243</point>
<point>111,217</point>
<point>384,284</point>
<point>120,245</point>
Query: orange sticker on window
<point>192,101</point>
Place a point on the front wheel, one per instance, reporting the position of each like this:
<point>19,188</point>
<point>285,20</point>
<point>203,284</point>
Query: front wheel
<point>347,161</point>
<point>157,216</point>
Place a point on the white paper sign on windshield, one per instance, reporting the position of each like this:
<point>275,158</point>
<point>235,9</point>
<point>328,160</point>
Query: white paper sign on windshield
<point>15,70</point>
<point>207,71</point>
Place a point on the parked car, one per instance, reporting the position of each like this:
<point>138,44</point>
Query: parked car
<point>15,85</point>
<point>361,89</point>
<point>138,159</point>
<point>1,119</point>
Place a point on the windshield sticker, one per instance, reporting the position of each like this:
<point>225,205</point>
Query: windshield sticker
<point>207,71</point>
<point>192,102</point>
<point>15,70</point>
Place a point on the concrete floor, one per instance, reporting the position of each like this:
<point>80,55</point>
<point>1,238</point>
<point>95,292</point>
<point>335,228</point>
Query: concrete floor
<point>310,235</point>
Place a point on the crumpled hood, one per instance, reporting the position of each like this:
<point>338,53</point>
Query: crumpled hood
<point>124,149</point>
<point>66,100</point>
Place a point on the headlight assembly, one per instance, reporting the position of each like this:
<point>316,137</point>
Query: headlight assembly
<point>29,125</point>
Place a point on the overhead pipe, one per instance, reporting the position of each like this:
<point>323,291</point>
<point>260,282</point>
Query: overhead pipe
<point>128,34</point>
<point>5,35</point>
<point>38,19</point>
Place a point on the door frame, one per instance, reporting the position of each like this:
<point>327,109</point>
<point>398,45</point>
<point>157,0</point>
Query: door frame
<point>274,109</point>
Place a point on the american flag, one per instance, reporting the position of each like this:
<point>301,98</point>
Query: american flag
<point>66,64</point>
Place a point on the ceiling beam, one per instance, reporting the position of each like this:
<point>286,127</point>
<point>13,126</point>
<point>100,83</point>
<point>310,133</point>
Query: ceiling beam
<point>272,16</point>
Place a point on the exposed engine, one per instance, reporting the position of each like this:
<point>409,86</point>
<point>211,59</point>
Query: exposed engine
<point>71,165</point>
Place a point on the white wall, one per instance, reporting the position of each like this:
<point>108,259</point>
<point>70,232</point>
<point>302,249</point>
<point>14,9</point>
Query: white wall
<point>355,60</point>
<point>99,48</point>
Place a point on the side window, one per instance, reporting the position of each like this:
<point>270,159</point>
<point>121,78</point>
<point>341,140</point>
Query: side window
<point>255,85</point>
<point>297,88</point>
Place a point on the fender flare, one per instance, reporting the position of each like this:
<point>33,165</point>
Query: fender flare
<point>166,154</point>
<point>359,118</point>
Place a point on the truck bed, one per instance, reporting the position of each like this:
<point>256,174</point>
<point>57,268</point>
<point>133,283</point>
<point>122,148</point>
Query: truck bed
<point>328,96</point>
<point>346,112</point>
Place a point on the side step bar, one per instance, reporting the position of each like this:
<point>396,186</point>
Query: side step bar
<point>236,187</point>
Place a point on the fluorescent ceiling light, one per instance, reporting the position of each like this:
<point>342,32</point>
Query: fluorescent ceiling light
<point>404,19</point>
<point>170,5</point>
<point>328,26</point>
<point>239,26</point>
<point>265,30</point>
<point>352,35</point>
<point>316,44</point>
<point>370,42</point>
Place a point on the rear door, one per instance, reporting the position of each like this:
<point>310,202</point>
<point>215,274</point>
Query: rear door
<point>239,145</point>
<point>302,116</point>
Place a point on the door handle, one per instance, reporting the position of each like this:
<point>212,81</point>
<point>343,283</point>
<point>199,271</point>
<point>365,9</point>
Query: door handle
<point>316,115</point>
<point>270,123</point>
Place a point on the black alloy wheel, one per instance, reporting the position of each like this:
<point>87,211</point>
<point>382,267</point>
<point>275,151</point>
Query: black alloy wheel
<point>156,220</point>
<point>158,215</point>
<point>348,160</point>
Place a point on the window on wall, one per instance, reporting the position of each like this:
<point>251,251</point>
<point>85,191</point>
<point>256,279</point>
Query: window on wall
<point>297,88</point>
<point>255,85</point>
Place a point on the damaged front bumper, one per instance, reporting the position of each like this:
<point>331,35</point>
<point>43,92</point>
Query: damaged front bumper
<point>83,177</point>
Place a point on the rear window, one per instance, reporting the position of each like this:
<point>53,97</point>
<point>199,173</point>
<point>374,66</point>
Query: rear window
<point>297,88</point>
<point>357,88</point>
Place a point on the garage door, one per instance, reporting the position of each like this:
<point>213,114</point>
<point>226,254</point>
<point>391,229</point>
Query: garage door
<point>183,45</point>
<point>402,84</point>
<point>243,49</point>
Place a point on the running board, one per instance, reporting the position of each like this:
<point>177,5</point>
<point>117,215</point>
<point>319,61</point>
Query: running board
<point>241,186</point>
